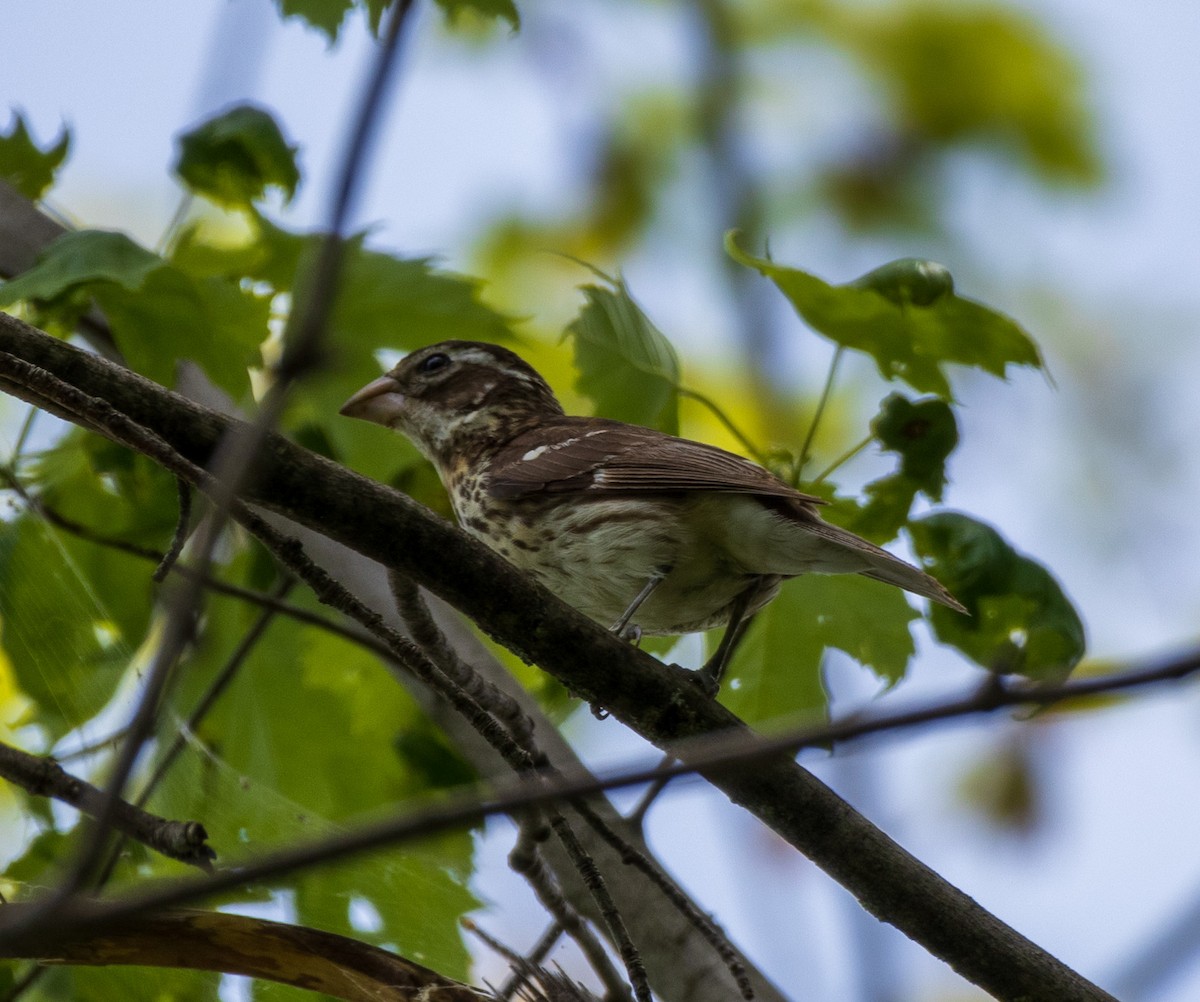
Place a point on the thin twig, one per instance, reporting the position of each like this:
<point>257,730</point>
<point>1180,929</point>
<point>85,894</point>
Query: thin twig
<point>517,794</point>
<point>501,707</point>
<point>182,531</point>
<point>719,413</point>
<point>526,859</point>
<point>205,704</point>
<point>845,457</point>
<point>185,841</point>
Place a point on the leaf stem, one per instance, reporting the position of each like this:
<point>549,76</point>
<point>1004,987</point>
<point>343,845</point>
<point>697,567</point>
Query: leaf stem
<point>826,390</point>
<point>23,436</point>
<point>725,420</point>
<point>845,457</point>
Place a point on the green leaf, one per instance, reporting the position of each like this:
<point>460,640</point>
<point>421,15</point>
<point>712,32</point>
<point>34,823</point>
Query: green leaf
<point>626,365</point>
<point>924,433</point>
<point>777,672</point>
<point>324,15</point>
<point>268,783</point>
<point>1021,621</point>
<point>69,644</point>
<point>80,258</point>
<point>103,984</point>
<point>209,321</point>
<point>502,9</point>
<point>159,314</point>
<point>234,158</point>
<point>975,72</point>
<point>906,316</point>
<point>28,169</point>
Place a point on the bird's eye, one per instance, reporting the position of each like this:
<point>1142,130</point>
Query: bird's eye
<point>436,361</point>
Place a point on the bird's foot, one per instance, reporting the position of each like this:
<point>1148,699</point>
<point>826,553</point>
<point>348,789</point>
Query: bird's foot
<point>628,631</point>
<point>706,682</point>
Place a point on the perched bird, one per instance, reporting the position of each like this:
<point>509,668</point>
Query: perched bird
<point>641,531</point>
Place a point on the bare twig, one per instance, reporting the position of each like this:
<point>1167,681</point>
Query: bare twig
<point>526,859</point>
<point>182,531</point>
<point>185,841</point>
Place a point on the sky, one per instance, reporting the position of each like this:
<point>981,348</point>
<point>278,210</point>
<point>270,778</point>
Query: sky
<point>1097,475</point>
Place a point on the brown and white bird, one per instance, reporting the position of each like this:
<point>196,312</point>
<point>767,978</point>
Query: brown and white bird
<point>639,530</point>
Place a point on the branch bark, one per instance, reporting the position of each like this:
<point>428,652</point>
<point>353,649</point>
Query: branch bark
<point>656,700</point>
<point>186,841</point>
<point>238,944</point>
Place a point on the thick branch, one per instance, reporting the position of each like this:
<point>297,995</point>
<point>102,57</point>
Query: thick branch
<point>654,699</point>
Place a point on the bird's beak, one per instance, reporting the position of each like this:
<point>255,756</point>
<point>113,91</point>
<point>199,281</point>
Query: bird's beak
<point>380,401</point>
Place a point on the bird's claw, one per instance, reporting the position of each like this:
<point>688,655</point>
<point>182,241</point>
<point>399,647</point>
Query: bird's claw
<point>705,682</point>
<point>628,631</point>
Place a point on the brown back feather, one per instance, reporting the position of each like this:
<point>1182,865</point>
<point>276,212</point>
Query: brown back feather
<point>586,455</point>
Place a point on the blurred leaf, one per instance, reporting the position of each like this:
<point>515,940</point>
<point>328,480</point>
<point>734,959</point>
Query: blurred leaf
<point>235,157</point>
<point>976,72</point>
<point>173,316</point>
<point>324,15</point>
<point>40,865</point>
<point>79,258</point>
<point>1021,621</point>
<point>906,316</point>
<point>418,890</point>
<point>75,612</point>
<point>1002,786</point>
<point>58,636</point>
<point>625,363</point>
<point>158,313</point>
<point>271,783</point>
<point>502,9</point>
<point>28,169</point>
<point>777,671</point>
<point>924,433</point>
<point>103,984</point>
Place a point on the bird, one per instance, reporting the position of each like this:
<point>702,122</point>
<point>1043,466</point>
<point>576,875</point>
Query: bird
<point>643,532</point>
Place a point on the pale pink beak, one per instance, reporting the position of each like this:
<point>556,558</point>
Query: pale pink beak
<point>380,401</point>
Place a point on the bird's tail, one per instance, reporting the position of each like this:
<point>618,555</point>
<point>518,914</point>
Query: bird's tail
<point>903,575</point>
<point>883,566</point>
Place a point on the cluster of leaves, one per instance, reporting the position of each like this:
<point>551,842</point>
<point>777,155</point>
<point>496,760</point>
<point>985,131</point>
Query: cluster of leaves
<point>77,614</point>
<point>942,79</point>
<point>329,16</point>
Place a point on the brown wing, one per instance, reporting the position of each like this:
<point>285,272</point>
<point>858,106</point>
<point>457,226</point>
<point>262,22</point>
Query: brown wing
<point>586,455</point>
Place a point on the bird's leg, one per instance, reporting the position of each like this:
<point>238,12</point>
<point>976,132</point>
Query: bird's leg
<point>709,677</point>
<point>621,627</point>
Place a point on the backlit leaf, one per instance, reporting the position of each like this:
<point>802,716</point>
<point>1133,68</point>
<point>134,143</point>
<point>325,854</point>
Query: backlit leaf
<point>924,433</point>
<point>777,671</point>
<point>502,9</point>
<point>80,258</point>
<point>26,167</point>
<point>907,317</point>
<point>1021,621</point>
<point>625,363</point>
<point>235,157</point>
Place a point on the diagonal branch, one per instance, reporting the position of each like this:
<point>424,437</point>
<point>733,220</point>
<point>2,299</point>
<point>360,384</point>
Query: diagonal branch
<point>186,841</point>
<point>654,699</point>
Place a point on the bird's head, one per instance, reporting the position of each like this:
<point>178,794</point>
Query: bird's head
<point>456,397</point>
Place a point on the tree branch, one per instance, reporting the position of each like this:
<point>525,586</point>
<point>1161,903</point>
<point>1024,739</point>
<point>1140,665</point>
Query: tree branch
<point>654,699</point>
<point>186,841</point>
